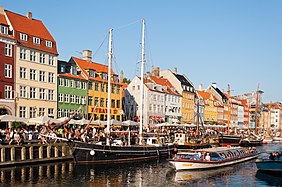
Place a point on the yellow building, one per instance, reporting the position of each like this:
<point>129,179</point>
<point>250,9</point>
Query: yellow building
<point>97,76</point>
<point>35,67</point>
<point>210,111</point>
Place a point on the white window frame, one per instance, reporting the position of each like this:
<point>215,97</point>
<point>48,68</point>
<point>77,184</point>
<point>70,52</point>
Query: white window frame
<point>51,112</point>
<point>32,74</point>
<point>42,58</point>
<point>23,73</point>
<point>61,97</point>
<point>23,91</point>
<point>32,112</point>
<point>8,71</point>
<point>23,53</point>
<point>8,92</point>
<point>32,93</point>
<point>51,95</point>
<point>22,111</point>
<point>49,44</point>
<point>36,40</point>
<point>8,49</point>
<point>4,29</point>
<point>72,99</point>
<point>51,77</point>
<point>23,37</point>
<point>41,111</point>
<point>67,98</point>
<point>42,76</point>
<point>51,60</point>
<point>42,94</point>
<point>32,56</point>
<point>60,112</point>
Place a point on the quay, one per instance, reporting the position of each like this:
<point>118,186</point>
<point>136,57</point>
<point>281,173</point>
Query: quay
<point>34,153</point>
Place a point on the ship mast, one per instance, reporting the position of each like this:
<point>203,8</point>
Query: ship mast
<point>256,114</point>
<point>110,53</point>
<point>142,82</point>
<point>229,109</point>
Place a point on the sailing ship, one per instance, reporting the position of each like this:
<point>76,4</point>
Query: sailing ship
<point>114,153</point>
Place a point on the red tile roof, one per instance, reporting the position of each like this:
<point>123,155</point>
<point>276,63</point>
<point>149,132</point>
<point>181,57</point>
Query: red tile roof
<point>3,20</point>
<point>31,27</point>
<point>69,75</point>
<point>204,95</point>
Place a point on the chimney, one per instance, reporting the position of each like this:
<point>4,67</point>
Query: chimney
<point>87,55</point>
<point>200,87</point>
<point>121,76</point>
<point>214,84</point>
<point>156,71</point>
<point>1,10</point>
<point>29,15</point>
<point>175,70</point>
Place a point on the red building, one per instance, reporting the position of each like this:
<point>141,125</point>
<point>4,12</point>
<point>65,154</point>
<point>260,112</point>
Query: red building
<point>7,75</point>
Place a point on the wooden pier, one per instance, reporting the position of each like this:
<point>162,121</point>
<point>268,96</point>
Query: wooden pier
<point>34,153</point>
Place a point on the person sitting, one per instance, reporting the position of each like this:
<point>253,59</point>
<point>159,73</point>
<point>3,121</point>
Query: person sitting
<point>208,157</point>
<point>271,156</point>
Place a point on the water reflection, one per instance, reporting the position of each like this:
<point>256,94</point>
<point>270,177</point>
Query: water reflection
<point>269,179</point>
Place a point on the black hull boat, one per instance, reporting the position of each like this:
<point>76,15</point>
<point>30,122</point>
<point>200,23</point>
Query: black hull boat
<point>229,140</point>
<point>250,143</point>
<point>104,154</point>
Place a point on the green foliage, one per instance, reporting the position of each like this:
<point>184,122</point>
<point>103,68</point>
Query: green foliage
<point>125,80</point>
<point>16,125</point>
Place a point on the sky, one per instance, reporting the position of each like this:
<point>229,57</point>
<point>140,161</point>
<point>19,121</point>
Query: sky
<point>234,42</point>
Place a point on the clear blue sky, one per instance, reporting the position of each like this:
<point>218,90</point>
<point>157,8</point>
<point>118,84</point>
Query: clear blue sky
<point>234,42</point>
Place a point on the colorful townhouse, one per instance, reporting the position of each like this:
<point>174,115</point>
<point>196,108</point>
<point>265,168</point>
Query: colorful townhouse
<point>7,73</point>
<point>186,88</point>
<point>210,110</point>
<point>72,90</point>
<point>36,66</point>
<point>97,91</point>
<point>162,102</point>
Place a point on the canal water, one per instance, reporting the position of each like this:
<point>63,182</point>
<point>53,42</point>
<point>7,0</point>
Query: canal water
<point>153,173</point>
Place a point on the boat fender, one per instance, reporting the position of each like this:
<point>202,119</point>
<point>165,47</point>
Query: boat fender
<point>92,152</point>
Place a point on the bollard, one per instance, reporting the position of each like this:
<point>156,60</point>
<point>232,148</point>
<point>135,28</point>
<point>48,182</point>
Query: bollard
<point>13,153</point>
<point>23,155</point>
<point>2,154</point>
<point>49,151</point>
<point>56,152</point>
<point>31,152</point>
<point>63,150</point>
<point>40,152</point>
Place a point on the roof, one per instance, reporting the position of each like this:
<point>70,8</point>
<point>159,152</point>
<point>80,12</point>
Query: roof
<point>164,82</point>
<point>204,95</point>
<point>69,75</point>
<point>183,80</point>
<point>3,19</point>
<point>31,27</point>
<point>220,93</point>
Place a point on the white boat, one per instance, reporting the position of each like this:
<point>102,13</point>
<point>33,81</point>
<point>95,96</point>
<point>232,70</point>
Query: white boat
<point>211,158</point>
<point>276,138</point>
<point>267,140</point>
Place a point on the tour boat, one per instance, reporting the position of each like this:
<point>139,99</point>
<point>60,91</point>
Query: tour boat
<point>211,158</point>
<point>272,165</point>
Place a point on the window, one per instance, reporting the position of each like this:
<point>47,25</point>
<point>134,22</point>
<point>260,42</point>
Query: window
<point>4,29</point>
<point>22,73</point>
<point>102,100</point>
<point>66,83</point>
<point>8,92</point>
<point>36,40</point>
<point>92,73</point>
<point>32,93</point>
<point>22,111</point>
<point>118,89</point>
<point>72,98</point>
<point>32,56</point>
<point>51,60</point>
<point>96,101</point>
<point>113,103</point>
<point>96,86</point>
<point>83,84</point>
<point>60,113</point>
<point>83,100</point>
<point>113,89</point>
<point>90,86</point>
<point>32,74</point>
<point>23,37</point>
<point>51,77</point>
<point>42,93</point>
<point>89,100</point>
<point>118,103</point>
<point>8,50</point>
<point>8,70</point>
<point>50,95</point>
<point>77,84</point>
<point>23,91</point>
<point>77,99</point>
<point>42,58</point>
<point>66,113</point>
<point>32,112</point>
<point>42,76</point>
<point>102,88</point>
<point>50,112</point>
<point>23,54</point>
<point>61,82</point>
<point>60,97</point>
<point>72,83</point>
<point>49,44</point>
<point>41,111</point>
<point>67,98</point>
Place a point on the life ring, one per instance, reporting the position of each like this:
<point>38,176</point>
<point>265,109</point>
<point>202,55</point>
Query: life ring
<point>92,152</point>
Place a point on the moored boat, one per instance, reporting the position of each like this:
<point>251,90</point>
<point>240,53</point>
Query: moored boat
<point>272,165</point>
<point>211,158</point>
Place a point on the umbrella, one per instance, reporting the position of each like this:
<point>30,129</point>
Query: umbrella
<point>112,122</point>
<point>130,123</point>
<point>10,118</point>
<point>42,119</point>
<point>80,122</point>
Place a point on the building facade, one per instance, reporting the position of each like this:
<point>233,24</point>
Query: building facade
<point>36,67</point>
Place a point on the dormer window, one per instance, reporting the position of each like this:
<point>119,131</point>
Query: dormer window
<point>92,73</point>
<point>4,29</point>
<point>104,76</point>
<point>49,44</point>
<point>36,40</point>
<point>23,37</point>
